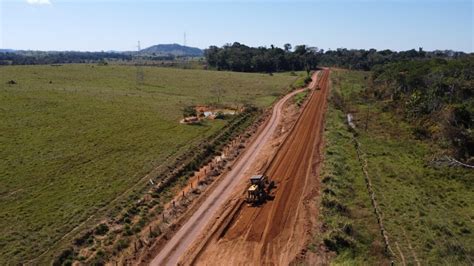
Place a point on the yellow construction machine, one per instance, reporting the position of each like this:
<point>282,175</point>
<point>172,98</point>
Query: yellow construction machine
<point>259,189</point>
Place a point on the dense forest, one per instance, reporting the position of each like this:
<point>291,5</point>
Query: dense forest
<point>367,59</point>
<point>239,57</point>
<point>435,95</point>
<point>242,58</point>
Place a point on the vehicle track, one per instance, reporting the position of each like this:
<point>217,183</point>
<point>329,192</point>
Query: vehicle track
<point>276,232</point>
<point>183,238</point>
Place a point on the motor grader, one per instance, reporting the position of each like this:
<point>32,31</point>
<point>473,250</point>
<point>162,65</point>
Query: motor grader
<point>259,189</point>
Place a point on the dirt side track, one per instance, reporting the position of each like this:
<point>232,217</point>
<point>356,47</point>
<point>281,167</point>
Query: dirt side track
<point>276,232</point>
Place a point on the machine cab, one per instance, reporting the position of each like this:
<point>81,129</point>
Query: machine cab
<point>257,179</point>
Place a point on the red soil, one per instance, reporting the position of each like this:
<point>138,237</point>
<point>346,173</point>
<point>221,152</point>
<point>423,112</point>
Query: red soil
<point>277,232</point>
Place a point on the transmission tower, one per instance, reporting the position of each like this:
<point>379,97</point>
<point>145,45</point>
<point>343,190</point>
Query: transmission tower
<point>184,42</point>
<point>138,64</point>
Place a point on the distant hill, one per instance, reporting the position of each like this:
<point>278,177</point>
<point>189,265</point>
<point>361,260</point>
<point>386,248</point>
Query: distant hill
<point>7,50</point>
<point>172,49</point>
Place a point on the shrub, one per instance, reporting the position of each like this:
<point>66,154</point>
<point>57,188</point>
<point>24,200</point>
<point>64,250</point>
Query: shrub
<point>127,230</point>
<point>337,242</point>
<point>65,257</point>
<point>220,115</point>
<point>334,204</point>
<point>189,110</point>
<point>101,229</point>
<point>421,132</point>
<point>121,244</point>
<point>83,239</point>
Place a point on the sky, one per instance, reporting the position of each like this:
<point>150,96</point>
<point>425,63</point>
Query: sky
<point>87,25</point>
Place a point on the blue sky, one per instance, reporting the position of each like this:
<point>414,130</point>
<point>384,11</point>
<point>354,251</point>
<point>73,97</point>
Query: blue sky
<point>118,24</point>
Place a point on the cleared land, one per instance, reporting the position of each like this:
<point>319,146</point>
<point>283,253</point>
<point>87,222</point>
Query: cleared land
<point>276,233</point>
<point>427,209</point>
<point>197,225</point>
<point>74,137</point>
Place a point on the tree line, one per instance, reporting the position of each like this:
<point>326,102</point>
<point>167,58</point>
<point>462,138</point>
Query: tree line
<point>360,59</point>
<point>42,58</point>
<point>242,58</point>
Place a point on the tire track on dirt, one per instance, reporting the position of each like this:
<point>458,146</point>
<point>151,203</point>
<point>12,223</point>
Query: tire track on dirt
<point>179,243</point>
<point>275,232</point>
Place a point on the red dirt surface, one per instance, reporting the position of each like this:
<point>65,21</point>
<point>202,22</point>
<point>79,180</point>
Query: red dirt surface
<point>190,231</point>
<point>277,232</point>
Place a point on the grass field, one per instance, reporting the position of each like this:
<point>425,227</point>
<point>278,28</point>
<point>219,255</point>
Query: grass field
<point>427,210</point>
<point>74,137</point>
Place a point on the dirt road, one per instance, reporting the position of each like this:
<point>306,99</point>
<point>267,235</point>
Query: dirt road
<point>177,245</point>
<point>277,232</point>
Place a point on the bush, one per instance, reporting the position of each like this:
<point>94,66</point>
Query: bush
<point>249,108</point>
<point>102,62</point>
<point>127,230</point>
<point>188,111</point>
<point>99,259</point>
<point>83,239</point>
<point>101,229</point>
<point>65,257</point>
<point>220,115</point>
<point>334,204</point>
<point>337,242</point>
<point>421,132</point>
<point>121,244</point>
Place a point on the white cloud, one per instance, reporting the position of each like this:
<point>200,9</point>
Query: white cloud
<point>39,2</point>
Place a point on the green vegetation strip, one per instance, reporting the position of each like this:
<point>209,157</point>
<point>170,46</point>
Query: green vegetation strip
<point>349,227</point>
<point>300,97</point>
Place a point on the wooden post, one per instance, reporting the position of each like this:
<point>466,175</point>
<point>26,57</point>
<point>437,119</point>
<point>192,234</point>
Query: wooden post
<point>367,119</point>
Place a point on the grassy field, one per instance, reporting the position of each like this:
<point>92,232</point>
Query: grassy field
<point>427,210</point>
<point>74,137</point>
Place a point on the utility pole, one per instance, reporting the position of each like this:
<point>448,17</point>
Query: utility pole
<point>184,44</point>
<point>140,75</point>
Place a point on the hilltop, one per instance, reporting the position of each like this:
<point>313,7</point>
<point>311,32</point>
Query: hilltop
<point>172,49</point>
